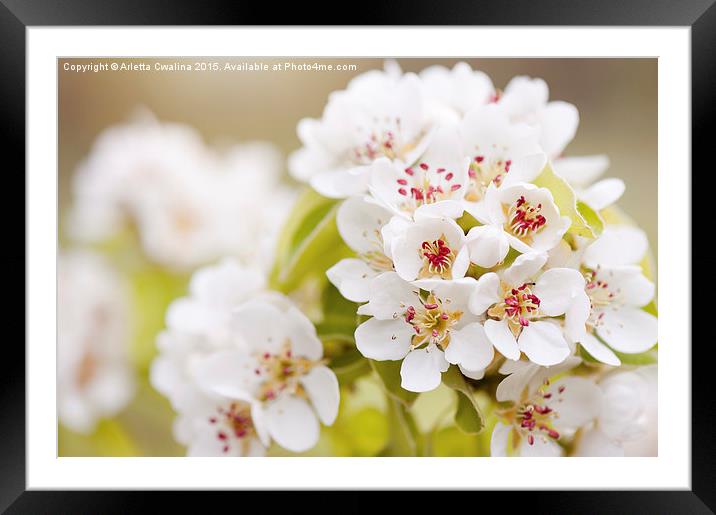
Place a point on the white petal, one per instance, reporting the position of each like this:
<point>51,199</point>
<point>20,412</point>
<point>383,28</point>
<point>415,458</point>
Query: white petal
<point>352,277</point>
<point>341,183</point>
<point>558,123</point>
<point>524,267</point>
<point>618,245</point>
<point>502,338</point>
<point>444,208</point>
<point>603,193</point>
<point>543,343</point>
<point>582,170</point>
<point>228,373</point>
<point>556,289</point>
<point>321,386</point>
<point>594,443</point>
<point>470,348</point>
<point>292,423</point>
<point>575,318</point>
<point>389,296</point>
<point>539,449</point>
<point>525,169</point>
<point>485,293</point>
<point>520,376</point>
<point>578,404</point>
<point>488,245</point>
<point>629,283</point>
<point>499,440</point>
<point>472,374</point>
<point>598,350</point>
<point>384,339</point>
<point>422,369</point>
<point>359,223</point>
<point>260,324</point>
<point>301,334</point>
<point>629,330</point>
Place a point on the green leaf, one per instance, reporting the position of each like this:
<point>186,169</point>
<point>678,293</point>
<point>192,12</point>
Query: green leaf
<point>645,358</point>
<point>349,366</point>
<point>309,243</point>
<point>566,201</point>
<point>467,222</point>
<point>389,374</point>
<point>403,433</point>
<point>339,319</point>
<point>468,415</point>
<point>593,218</point>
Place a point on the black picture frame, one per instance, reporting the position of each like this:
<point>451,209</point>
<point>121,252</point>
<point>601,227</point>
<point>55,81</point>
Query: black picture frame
<point>17,15</point>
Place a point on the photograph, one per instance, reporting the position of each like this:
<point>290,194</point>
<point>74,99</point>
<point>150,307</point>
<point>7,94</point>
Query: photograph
<point>358,257</point>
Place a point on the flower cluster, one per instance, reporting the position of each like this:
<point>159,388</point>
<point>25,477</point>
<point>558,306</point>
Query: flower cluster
<point>242,367</point>
<point>189,204</point>
<point>477,244</point>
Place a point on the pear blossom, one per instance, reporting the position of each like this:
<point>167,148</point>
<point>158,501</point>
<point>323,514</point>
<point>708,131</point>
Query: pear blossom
<point>94,374</point>
<point>525,99</point>
<point>379,115</point>
<point>492,142</point>
<point>615,292</point>
<point>433,186</point>
<point>457,89</point>
<point>277,362</point>
<point>426,324</point>
<point>429,248</point>
<point>361,224</point>
<point>184,198</point>
<point>541,412</point>
<point>522,310</point>
<point>624,417</point>
<point>522,216</point>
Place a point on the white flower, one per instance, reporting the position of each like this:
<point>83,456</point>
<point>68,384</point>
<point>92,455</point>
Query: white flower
<point>581,172</point>
<point>493,143</point>
<point>200,324</point>
<point>277,363</point>
<point>426,329</point>
<point>433,186</point>
<point>94,374</point>
<point>526,100</point>
<point>627,418</point>
<point>615,291</point>
<point>521,216</point>
<point>540,412</point>
<point>458,89</point>
<point>429,248</point>
<point>184,198</point>
<point>360,224</point>
<point>377,115</point>
<point>522,311</point>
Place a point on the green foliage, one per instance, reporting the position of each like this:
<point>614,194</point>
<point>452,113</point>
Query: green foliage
<point>389,374</point>
<point>468,415</point>
<point>309,243</point>
<point>349,366</point>
<point>585,221</point>
<point>404,438</point>
<point>108,439</point>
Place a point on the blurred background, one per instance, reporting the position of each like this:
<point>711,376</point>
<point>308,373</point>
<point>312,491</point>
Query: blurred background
<point>616,99</point>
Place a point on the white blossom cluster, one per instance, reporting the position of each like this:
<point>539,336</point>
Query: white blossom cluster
<point>242,367</point>
<point>466,256</point>
<point>190,204</point>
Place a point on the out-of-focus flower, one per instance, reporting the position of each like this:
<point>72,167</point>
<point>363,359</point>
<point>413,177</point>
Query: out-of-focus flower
<point>278,364</point>
<point>615,291</point>
<point>627,417</point>
<point>541,412</point>
<point>458,89</point>
<point>189,203</point>
<point>94,375</point>
<point>360,224</point>
<point>379,115</point>
<point>522,310</point>
<point>425,330</point>
<point>241,365</point>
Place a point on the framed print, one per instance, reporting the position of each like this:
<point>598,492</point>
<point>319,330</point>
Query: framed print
<point>418,258</point>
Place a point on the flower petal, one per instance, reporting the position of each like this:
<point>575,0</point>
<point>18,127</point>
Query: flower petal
<point>502,338</point>
<point>524,267</point>
<point>485,293</point>
<point>488,245</point>
<point>582,170</point>
<point>422,369</point>
<point>603,193</point>
<point>618,245</point>
<point>558,123</point>
<point>557,288</point>
<point>227,373</point>
<point>499,439</point>
<point>292,423</point>
<point>629,330</point>
<point>594,443</point>
<point>470,348</point>
<point>579,403</point>
<point>384,339</point>
<point>358,223</point>
<point>543,343</point>
<point>598,350</point>
<point>352,277</point>
<point>389,294</point>
<point>321,385</point>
